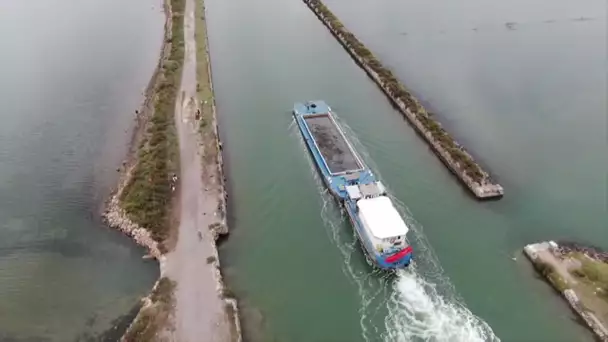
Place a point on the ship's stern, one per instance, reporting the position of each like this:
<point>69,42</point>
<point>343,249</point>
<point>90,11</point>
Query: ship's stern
<point>400,259</point>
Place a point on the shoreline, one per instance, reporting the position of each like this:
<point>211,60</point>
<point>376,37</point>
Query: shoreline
<point>116,217</point>
<point>559,265</point>
<point>207,106</point>
<point>113,215</point>
<point>448,150</point>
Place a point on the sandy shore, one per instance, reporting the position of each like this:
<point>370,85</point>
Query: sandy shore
<point>192,261</point>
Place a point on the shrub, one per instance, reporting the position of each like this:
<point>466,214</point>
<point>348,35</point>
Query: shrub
<point>557,281</point>
<point>578,273</point>
<point>147,196</point>
<point>150,319</point>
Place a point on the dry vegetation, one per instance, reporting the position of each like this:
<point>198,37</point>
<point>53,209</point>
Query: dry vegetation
<point>592,272</point>
<point>549,272</point>
<point>155,316</point>
<point>147,196</point>
<point>203,88</point>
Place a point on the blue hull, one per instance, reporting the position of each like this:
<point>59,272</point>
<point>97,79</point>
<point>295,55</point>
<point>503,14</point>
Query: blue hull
<point>340,166</point>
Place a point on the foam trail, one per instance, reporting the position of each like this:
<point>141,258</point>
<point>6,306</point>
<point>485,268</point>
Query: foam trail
<point>418,312</point>
<point>418,304</point>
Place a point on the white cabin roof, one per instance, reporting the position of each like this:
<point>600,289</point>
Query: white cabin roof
<point>381,218</point>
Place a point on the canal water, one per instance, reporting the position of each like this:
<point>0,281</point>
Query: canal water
<point>521,84</point>
<point>72,76</point>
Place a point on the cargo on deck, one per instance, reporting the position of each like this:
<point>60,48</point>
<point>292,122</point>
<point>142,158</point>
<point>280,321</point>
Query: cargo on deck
<point>337,153</point>
<point>379,226</point>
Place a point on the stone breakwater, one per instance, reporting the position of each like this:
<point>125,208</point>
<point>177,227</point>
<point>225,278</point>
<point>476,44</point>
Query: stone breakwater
<point>592,252</point>
<point>117,218</point>
<point>452,154</point>
<point>546,256</point>
<point>232,309</point>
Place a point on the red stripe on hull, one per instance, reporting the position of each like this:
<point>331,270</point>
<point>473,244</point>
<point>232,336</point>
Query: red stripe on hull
<point>399,254</point>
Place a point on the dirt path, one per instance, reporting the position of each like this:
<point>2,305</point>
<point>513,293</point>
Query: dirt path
<point>199,311</point>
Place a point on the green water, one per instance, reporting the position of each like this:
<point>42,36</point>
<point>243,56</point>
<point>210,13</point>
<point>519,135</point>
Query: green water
<point>72,76</point>
<point>527,98</point>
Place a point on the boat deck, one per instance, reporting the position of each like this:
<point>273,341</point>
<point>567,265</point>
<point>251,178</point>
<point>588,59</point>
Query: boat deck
<point>333,147</point>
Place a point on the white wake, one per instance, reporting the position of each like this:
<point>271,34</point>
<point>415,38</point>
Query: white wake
<point>417,312</point>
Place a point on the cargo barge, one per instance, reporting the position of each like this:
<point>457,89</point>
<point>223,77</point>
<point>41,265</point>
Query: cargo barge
<point>379,226</point>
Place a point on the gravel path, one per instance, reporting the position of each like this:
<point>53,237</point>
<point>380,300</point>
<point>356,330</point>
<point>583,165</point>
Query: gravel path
<point>199,311</point>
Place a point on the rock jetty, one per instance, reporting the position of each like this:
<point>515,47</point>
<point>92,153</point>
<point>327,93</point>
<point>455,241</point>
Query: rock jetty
<point>556,265</point>
<point>451,153</point>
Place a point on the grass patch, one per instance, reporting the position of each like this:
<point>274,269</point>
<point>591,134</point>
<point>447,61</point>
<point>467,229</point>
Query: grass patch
<point>578,273</point>
<point>163,292</point>
<point>548,271</point>
<point>204,89</point>
<point>462,159</point>
<point>560,284</point>
<point>152,318</point>
<point>593,272</point>
<point>147,196</point>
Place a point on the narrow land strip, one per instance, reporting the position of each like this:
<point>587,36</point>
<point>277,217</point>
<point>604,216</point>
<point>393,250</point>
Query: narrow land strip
<point>144,192</point>
<point>147,195</point>
<point>188,301</point>
<point>450,152</point>
<point>193,264</point>
<point>580,276</point>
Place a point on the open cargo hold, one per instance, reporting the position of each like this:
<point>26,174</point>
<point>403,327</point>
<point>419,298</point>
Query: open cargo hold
<point>331,143</point>
<point>377,223</point>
